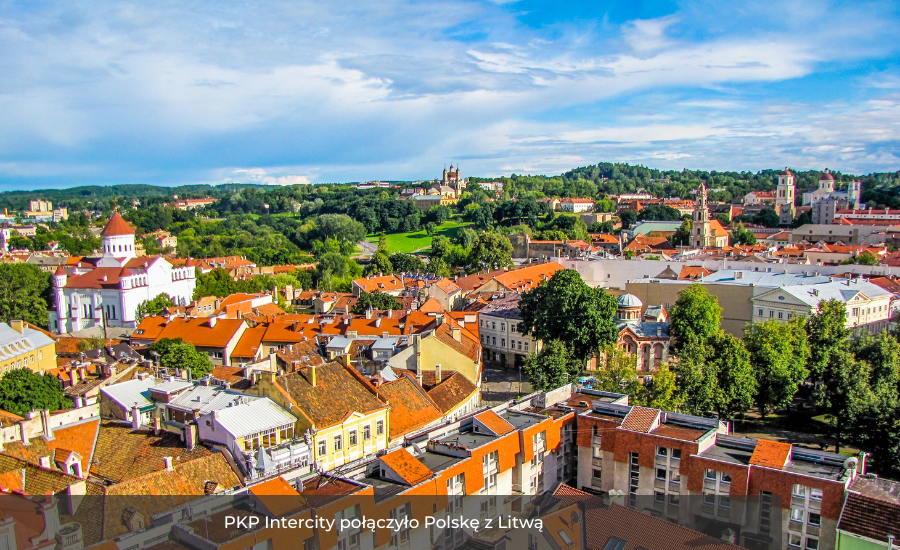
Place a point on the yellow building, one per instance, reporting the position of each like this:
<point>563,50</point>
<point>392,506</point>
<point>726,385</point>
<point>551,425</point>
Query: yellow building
<point>23,346</point>
<point>346,418</point>
<point>447,347</point>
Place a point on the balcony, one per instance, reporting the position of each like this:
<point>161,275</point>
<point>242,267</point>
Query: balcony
<point>286,456</point>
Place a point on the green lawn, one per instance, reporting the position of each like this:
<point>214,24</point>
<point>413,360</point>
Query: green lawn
<point>417,241</point>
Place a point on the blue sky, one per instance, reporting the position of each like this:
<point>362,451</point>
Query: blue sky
<point>168,93</point>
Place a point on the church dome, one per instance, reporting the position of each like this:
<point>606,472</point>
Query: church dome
<point>629,301</point>
<point>827,176</point>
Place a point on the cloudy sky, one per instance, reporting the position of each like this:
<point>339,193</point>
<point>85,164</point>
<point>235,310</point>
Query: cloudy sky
<point>98,92</point>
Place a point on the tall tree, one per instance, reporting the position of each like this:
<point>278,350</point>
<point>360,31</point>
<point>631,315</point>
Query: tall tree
<point>779,353</point>
<point>375,300</point>
<point>662,393</point>
<point>566,308</point>
<point>24,293</point>
<point>715,376</point>
<point>827,333</point>
<point>696,314</point>
<point>491,251</point>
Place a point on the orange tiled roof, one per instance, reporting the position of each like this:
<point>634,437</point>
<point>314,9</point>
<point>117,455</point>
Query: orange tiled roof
<point>411,408</point>
<point>771,454</point>
<point>527,278</point>
<point>451,391</point>
<point>470,283</point>
<point>198,331</point>
<point>116,226</point>
<point>250,342</point>
<point>385,283</point>
<point>408,467</point>
<point>640,419</point>
<point>431,306</point>
<point>693,272</point>
<point>493,422</point>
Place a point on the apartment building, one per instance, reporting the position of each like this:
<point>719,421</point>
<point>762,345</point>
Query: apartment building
<point>637,451</point>
<point>501,340</point>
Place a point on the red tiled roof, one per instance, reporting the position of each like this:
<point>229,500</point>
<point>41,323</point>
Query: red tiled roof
<point>117,226</point>
<point>640,419</point>
<point>337,393</point>
<point>770,454</point>
<point>405,465</point>
<point>451,391</point>
<point>493,422</point>
<point>431,306</point>
<point>564,490</point>
<point>470,283</point>
<point>693,272</point>
<point>870,518</point>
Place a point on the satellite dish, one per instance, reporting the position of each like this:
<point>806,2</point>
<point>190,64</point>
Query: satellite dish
<point>575,517</point>
<point>851,463</point>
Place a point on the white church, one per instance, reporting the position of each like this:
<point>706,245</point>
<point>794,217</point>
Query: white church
<point>106,290</point>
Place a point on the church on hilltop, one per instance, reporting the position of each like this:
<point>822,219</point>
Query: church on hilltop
<point>106,290</point>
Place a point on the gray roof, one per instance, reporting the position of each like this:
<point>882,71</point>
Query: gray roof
<point>172,386</point>
<point>340,342</point>
<point>14,343</point>
<point>210,398</point>
<point>253,417</point>
<point>647,329</point>
<point>132,392</point>
<point>503,307</point>
<point>763,278</point>
<point>629,300</point>
<point>838,290</point>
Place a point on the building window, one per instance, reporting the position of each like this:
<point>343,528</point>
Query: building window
<point>526,347</point>
<point>367,432</point>
<point>353,438</point>
<point>502,326</point>
<point>814,519</point>
<point>379,427</point>
<point>323,448</point>
<point>503,342</point>
<point>338,444</point>
<point>513,328</point>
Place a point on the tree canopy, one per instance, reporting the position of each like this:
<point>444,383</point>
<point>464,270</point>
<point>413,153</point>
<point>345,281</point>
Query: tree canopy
<point>175,353</point>
<point>153,306</point>
<point>565,308</point>
<point>24,293</point>
<point>696,315</point>
<point>375,300</point>
<point>22,390</point>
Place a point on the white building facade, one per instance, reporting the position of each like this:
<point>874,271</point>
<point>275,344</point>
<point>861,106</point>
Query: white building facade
<point>106,291</point>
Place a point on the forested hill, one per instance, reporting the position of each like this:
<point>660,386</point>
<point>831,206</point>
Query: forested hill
<point>608,178</point>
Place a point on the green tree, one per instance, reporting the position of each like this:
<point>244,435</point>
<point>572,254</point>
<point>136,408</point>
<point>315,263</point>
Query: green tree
<point>153,306</point>
<point>24,293</point>
<point>627,217</point>
<point>715,376</point>
<point>743,236</point>
<point>682,235</point>
<point>696,314</point>
<point>662,393</point>
<point>565,308</point>
<point>380,263</point>
<point>407,263</point>
<point>491,251</point>
<point>779,353</point>
<point>619,373</point>
<point>22,391</point>
<point>175,353</point>
<point>552,367</point>
<point>659,212</point>
<point>375,300</point>
<point>340,227</point>
<point>827,334</point>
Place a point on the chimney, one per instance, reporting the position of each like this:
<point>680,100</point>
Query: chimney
<point>44,462</point>
<point>18,325</point>
<point>368,313</point>
<point>190,436</point>
<point>311,375</point>
<point>212,322</point>
<point>437,373</point>
<point>456,333</point>
<point>135,417</point>
<point>378,322</point>
<point>23,434</point>
<point>167,460</point>
<point>419,378</point>
<point>73,376</point>
<point>156,425</point>
<point>417,349</point>
<point>385,334</point>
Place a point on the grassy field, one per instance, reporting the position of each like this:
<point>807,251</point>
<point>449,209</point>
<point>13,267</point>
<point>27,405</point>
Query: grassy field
<point>417,241</point>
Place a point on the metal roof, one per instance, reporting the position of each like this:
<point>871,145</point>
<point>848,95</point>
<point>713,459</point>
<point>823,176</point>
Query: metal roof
<point>210,398</point>
<point>14,343</point>
<point>132,392</point>
<point>254,417</point>
<point>171,386</point>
